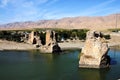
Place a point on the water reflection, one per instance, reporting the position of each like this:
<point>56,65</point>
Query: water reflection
<point>114,54</point>
<point>93,74</point>
<point>36,55</point>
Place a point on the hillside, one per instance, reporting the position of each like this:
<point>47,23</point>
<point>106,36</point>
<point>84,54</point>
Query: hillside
<point>99,22</point>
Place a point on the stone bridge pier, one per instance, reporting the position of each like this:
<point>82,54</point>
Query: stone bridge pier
<point>34,38</point>
<point>51,45</point>
<point>94,52</point>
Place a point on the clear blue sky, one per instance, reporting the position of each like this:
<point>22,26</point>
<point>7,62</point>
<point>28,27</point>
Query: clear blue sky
<point>33,10</point>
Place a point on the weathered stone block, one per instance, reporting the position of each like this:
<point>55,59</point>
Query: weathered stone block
<point>94,52</point>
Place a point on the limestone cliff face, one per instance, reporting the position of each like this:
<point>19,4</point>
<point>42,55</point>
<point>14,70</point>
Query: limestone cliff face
<point>94,52</point>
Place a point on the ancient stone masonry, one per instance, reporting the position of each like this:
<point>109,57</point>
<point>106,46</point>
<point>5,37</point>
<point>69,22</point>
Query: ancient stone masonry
<point>94,52</point>
<point>34,39</point>
<point>49,37</point>
<point>31,37</point>
<point>51,45</point>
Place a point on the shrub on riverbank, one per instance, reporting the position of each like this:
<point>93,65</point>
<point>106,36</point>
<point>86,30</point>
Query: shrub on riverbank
<point>10,36</point>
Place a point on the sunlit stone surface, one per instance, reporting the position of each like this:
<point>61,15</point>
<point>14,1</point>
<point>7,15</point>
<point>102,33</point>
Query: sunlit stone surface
<point>94,52</point>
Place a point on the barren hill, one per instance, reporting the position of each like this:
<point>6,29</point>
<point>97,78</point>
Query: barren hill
<point>101,22</point>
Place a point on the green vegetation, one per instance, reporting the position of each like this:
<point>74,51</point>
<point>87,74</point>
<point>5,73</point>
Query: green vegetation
<point>114,30</point>
<point>10,36</point>
<point>71,34</point>
<point>42,37</point>
<point>107,36</point>
<point>64,34</point>
<point>15,35</point>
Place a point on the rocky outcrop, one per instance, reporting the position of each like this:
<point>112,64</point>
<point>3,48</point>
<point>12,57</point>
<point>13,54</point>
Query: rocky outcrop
<point>94,52</point>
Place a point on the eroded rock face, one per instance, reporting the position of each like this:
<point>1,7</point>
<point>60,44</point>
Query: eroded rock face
<point>94,52</point>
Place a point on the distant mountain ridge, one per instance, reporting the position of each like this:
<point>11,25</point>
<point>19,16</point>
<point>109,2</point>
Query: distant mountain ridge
<point>99,22</point>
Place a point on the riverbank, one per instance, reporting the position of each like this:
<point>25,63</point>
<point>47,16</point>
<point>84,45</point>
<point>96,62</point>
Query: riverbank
<point>10,45</point>
<point>71,45</point>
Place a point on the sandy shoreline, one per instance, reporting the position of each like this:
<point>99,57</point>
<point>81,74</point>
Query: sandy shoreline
<point>10,45</point>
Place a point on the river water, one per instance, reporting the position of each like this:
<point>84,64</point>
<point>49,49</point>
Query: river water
<point>32,65</point>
